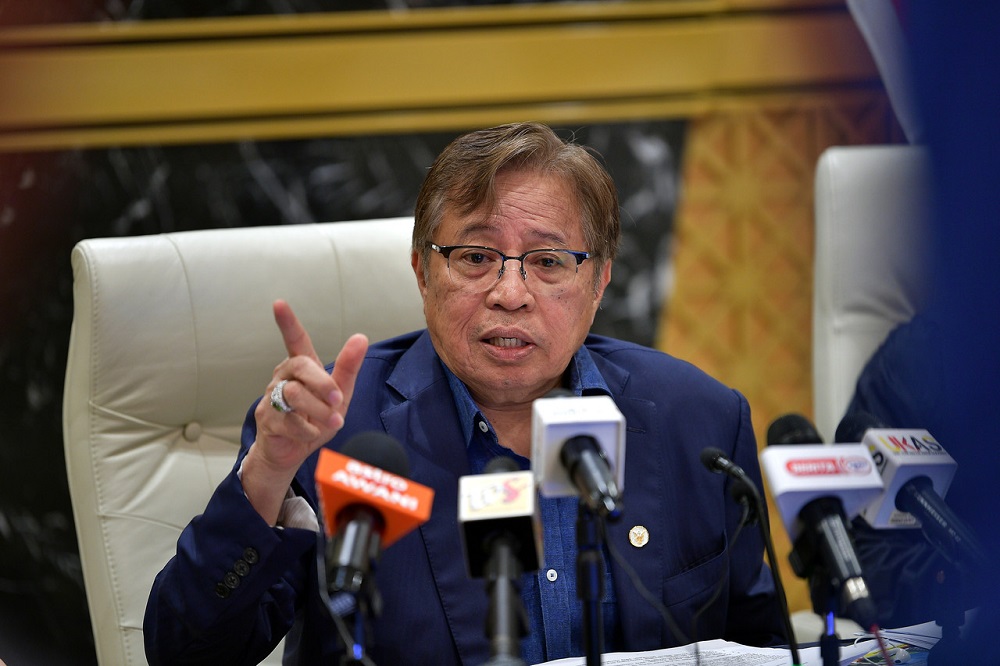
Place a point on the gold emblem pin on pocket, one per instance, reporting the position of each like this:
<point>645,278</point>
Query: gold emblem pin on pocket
<point>638,536</point>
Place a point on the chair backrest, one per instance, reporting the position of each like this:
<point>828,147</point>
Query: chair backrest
<point>173,338</point>
<point>871,213</point>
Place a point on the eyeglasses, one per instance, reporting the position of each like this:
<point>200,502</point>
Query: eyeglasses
<point>477,268</point>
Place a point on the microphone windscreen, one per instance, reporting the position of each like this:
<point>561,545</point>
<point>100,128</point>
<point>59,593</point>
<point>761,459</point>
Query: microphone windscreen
<point>853,427</point>
<point>500,465</point>
<point>710,457</point>
<point>378,450</point>
<point>792,429</point>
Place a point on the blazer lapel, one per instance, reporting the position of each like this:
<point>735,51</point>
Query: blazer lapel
<point>428,422</point>
<point>645,509</point>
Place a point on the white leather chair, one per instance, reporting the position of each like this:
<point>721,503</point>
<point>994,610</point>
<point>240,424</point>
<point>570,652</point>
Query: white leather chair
<point>172,339</point>
<point>871,211</point>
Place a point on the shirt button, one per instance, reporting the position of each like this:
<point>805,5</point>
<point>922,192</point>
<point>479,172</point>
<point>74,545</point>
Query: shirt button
<point>483,427</point>
<point>552,574</point>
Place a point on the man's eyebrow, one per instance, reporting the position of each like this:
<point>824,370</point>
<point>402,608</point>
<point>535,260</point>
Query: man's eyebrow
<point>475,228</point>
<point>548,238</point>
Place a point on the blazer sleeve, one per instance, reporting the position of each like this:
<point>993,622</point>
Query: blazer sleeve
<point>231,590</point>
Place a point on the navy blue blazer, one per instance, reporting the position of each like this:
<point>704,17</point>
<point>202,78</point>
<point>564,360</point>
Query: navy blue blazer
<point>433,613</point>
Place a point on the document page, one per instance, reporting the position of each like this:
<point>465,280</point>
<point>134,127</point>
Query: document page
<point>705,653</point>
<point>913,642</point>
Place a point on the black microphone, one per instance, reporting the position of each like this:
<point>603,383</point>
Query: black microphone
<point>577,442</point>
<point>824,549</point>
<point>499,504</point>
<point>368,503</point>
<point>745,491</point>
<point>587,465</point>
<point>917,472</point>
<point>500,532</point>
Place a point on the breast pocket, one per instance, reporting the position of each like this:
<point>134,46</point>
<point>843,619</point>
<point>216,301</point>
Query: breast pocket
<point>697,597</point>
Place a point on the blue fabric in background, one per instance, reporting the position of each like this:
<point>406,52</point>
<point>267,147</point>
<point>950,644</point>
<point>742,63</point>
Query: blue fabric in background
<point>956,68</point>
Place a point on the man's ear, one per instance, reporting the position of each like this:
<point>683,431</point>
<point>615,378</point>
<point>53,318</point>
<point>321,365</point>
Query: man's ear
<point>418,270</point>
<point>602,284</point>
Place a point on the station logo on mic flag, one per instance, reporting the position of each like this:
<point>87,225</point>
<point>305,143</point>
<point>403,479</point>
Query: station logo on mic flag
<point>801,473</point>
<point>486,496</point>
<point>902,455</point>
<point>342,481</point>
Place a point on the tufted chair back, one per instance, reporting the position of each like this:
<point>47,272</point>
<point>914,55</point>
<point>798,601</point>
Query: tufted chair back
<point>172,340</point>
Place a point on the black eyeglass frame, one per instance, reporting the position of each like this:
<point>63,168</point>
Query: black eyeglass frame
<point>445,250</point>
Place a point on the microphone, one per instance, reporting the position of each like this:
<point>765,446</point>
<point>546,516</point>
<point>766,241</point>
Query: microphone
<point>917,473</point>
<point>745,491</point>
<point>499,504</point>
<point>817,489</point>
<point>578,448</point>
<point>501,537</point>
<point>367,504</point>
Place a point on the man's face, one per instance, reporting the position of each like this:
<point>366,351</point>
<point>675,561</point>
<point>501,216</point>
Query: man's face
<point>509,344</point>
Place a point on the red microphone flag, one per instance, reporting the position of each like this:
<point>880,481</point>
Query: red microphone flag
<point>342,481</point>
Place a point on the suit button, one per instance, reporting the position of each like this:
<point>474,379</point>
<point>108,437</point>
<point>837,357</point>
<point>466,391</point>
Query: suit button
<point>251,556</point>
<point>231,580</point>
<point>241,568</point>
<point>222,591</point>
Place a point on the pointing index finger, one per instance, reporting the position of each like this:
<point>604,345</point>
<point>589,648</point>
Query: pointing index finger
<point>297,340</point>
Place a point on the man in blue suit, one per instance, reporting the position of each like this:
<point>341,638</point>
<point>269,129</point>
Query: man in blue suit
<point>515,233</point>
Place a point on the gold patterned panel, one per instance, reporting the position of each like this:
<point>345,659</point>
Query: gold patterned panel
<point>742,306</point>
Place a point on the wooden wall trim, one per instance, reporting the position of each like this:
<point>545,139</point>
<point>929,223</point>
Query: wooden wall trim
<point>372,72</point>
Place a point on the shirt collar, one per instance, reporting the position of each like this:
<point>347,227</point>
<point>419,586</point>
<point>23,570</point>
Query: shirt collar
<point>584,379</point>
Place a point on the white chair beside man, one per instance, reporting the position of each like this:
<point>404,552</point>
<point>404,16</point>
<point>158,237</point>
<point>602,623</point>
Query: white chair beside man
<point>871,204</point>
<point>173,338</point>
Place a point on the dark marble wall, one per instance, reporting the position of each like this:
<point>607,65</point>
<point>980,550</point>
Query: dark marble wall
<point>51,200</point>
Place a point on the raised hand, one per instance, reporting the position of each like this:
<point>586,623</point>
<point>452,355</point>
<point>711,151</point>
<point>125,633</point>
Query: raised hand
<point>318,402</point>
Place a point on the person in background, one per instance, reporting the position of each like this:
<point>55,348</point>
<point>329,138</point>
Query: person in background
<point>904,385</point>
<point>954,64</point>
<point>514,238</point>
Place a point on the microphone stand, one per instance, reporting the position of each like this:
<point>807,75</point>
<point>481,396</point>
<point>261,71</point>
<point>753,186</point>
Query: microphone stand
<point>950,616</point>
<point>958,545</point>
<point>507,621</point>
<point>745,492</point>
<point>590,580</point>
<point>805,563</point>
<point>360,598</point>
<point>829,641</point>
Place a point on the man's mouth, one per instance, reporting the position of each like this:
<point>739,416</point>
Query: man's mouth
<point>506,342</point>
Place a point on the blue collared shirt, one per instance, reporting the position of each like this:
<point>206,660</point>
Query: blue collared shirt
<point>555,614</point>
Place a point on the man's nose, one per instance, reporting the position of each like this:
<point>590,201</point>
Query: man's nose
<point>520,268</point>
<point>512,292</point>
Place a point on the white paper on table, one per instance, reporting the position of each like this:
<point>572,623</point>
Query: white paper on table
<point>725,653</point>
<point>712,653</point>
